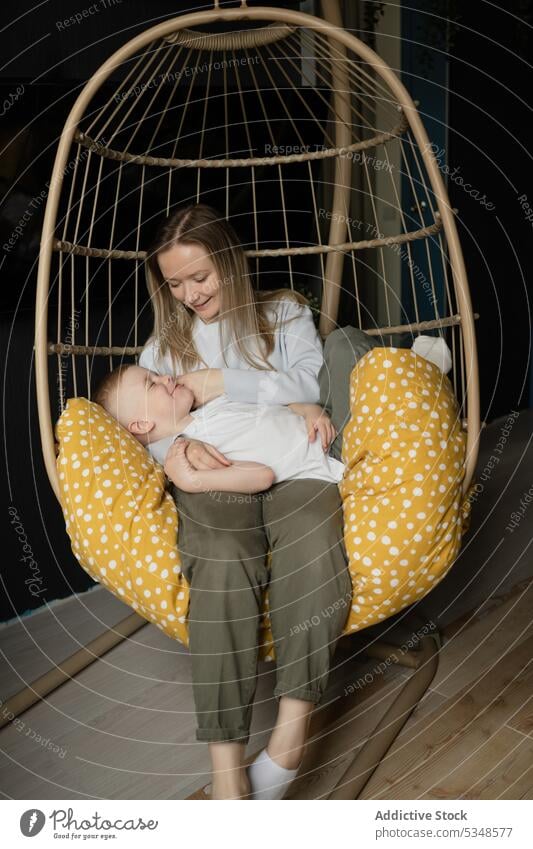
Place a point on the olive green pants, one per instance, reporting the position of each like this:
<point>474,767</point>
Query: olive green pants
<point>223,540</point>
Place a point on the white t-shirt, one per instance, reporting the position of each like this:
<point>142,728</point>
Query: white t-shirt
<point>295,360</point>
<point>264,433</point>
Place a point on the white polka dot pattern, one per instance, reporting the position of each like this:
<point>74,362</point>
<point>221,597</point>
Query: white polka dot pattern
<point>121,521</point>
<point>404,514</point>
<point>404,450</point>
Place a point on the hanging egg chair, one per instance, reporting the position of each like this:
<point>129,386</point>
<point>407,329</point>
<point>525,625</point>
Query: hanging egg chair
<point>311,145</point>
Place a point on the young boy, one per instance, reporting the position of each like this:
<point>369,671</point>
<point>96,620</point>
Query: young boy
<point>158,412</point>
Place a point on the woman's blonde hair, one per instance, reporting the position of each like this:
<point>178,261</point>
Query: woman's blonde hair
<point>243,310</point>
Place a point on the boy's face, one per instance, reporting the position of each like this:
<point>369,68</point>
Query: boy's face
<point>150,405</point>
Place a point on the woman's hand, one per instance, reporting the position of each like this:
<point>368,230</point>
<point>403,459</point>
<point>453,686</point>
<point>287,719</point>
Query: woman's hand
<point>177,467</point>
<point>317,421</point>
<point>205,384</point>
<point>203,456</point>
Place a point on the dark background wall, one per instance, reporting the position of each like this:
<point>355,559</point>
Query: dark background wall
<point>490,144</point>
<point>481,46</point>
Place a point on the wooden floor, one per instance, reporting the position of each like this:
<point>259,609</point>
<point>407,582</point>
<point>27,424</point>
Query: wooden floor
<point>471,735</point>
<point>124,727</point>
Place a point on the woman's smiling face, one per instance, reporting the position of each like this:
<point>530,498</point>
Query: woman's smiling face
<point>192,277</point>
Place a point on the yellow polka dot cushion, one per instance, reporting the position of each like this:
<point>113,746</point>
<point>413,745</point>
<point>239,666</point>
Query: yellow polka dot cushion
<point>404,514</point>
<point>404,451</point>
<point>121,520</point>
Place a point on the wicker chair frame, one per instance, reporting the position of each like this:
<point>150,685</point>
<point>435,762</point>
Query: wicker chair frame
<point>367,107</point>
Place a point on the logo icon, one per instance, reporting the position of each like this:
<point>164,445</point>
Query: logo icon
<point>31,822</point>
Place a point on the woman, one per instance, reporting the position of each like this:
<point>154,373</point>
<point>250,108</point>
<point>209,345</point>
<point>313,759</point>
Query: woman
<point>218,335</point>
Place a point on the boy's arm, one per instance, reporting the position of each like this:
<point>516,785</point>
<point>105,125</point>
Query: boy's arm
<point>243,476</point>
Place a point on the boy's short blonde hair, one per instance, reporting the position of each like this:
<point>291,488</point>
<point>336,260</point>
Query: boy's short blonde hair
<point>108,387</point>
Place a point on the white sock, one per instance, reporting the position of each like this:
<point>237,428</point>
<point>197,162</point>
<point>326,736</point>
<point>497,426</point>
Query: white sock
<point>434,349</point>
<point>269,780</point>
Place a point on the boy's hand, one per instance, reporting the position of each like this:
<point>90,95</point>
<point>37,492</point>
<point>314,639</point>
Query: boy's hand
<point>317,421</point>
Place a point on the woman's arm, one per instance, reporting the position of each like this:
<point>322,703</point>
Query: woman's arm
<point>241,476</point>
<point>202,456</point>
<point>297,380</point>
